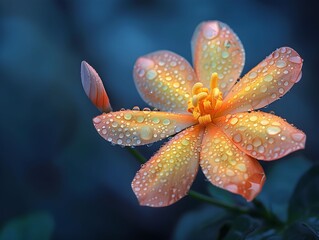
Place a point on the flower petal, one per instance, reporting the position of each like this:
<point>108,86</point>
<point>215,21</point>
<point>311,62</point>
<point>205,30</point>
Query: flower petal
<point>94,89</point>
<point>216,48</point>
<point>265,83</point>
<point>132,128</point>
<point>168,175</point>
<point>227,167</point>
<point>262,135</point>
<point>164,80</point>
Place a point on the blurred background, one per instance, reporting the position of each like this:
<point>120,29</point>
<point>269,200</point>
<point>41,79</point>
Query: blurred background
<point>55,168</point>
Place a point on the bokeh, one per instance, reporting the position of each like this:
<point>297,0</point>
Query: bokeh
<point>53,163</point>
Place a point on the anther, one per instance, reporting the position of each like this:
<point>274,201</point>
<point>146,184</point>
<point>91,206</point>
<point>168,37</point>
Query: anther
<point>196,87</point>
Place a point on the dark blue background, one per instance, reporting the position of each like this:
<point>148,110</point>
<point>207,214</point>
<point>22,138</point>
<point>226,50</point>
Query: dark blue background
<point>53,160</point>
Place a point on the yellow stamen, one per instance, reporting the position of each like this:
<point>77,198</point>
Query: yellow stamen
<point>196,87</point>
<point>205,102</point>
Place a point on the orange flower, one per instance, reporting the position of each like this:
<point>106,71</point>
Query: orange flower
<point>213,113</point>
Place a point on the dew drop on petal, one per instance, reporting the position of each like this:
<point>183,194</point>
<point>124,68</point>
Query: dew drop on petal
<point>295,59</point>
<point>151,74</point>
<point>127,116</point>
<point>253,118</point>
<point>281,63</point>
<point>256,142</point>
<point>166,122</point>
<point>211,30</point>
<point>233,121</point>
<point>230,172</point>
<point>268,78</point>
<point>185,142</point>
<point>273,130</point>
<point>237,138</point>
<point>263,89</point>
<point>241,167</point>
<point>146,133</point>
<point>297,136</point>
<point>252,75</point>
<point>97,120</point>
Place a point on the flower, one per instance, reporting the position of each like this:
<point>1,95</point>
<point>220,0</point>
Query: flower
<point>211,114</point>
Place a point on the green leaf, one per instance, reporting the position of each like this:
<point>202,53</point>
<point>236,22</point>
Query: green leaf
<point>304,202</point>
<point>280,183</point>
<point>201,224</point>
<point>37,226</point>
<point>308,229</point>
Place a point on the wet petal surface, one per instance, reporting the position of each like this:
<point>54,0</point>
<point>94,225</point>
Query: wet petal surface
<point>216,48</point>
<point>228,167</point>
<point>132,128</point>
<point>168,175</point>
<point>262,135</point>
<point>265,83</point>
<point>164,80</point>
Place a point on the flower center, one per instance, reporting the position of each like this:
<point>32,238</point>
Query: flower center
<point>205,102</point>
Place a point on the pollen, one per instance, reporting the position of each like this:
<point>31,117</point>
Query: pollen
<point>205,102</point>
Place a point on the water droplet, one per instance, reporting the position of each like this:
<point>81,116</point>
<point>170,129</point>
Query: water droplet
<point>253,118</point>
<point>211,30</point>
<point>281,63</point>
<point>140,119</point>
<point>119,141</point>
<point>127,116</point>
<point>104,131</point>
<point>172,63</point>
<point>233,121</point>
<point>146,133</point>
<point>249,147</point>
<point>263,89</point>
<point>151,74</point>
<point>141,72</point>
<point>156,120</point>
<point>261,149</point>
<point>268,78</point>
<point>237,138</point>
<point>241,167</point>
<point>281,90</point>
<point>176,85</point>
<point>97,120</point>
<point>298,137</point>
<point>225,54</point>
<point>295,59</point>
<point>257,142</point>
<point>252,75</point>
<point>185,142</point>
<point>264,122</point>
<point>230,172</point>
<point>273,130</point>
<point>114,124</point>
<point>136,108</point>
<point>166,122</point>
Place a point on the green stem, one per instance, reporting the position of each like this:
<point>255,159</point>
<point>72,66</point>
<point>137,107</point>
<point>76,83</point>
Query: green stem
<point>137,155</point>
<point>259,209</point>
<point>212,201</point>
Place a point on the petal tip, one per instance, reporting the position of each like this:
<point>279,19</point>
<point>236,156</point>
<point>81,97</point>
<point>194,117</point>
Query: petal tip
<point>256,183</point>
<point>85,77</point>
